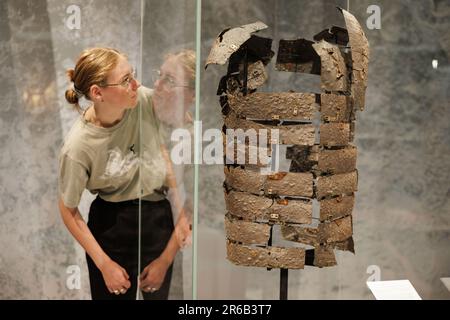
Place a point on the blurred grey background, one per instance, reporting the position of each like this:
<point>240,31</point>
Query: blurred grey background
<point>402,212</point>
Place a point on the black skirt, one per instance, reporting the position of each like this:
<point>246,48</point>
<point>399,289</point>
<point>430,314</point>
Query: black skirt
<point>116,227</point>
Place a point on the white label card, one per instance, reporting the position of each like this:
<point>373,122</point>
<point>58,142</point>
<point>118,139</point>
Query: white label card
<point>393,290</point>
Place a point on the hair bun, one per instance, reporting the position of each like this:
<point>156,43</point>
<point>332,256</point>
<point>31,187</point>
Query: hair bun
<point>71,96</point>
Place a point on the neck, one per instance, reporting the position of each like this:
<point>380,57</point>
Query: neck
<point>101,116</point>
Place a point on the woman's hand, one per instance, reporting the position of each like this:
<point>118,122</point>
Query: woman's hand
<point>152,277</point>
<point>116,277</point>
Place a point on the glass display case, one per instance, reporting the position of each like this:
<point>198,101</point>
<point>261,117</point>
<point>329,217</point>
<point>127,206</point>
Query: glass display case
<point>400,217</point>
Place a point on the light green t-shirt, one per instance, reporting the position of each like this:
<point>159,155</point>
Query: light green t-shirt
<point>114,162</point>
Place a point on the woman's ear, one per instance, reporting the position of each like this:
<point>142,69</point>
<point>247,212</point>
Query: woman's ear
<point>95,93</point>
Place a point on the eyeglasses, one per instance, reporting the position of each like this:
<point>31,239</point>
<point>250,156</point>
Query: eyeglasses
<point>167,80</point>
<point>125,83</point>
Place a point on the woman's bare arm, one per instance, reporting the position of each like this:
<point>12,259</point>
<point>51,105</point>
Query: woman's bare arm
<point>80,231</point>
<point>114,275</point>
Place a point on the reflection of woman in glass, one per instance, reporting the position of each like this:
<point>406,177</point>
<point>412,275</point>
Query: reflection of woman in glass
<point>172,97</point>
<point>174,88</point>
<point>102,153</point>
<point>174,94</point>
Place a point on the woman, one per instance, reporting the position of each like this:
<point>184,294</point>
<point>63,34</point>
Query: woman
<point>105,154</point>
<point>174,95</point>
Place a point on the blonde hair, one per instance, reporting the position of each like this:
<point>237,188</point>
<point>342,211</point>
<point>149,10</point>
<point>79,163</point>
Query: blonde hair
<point>187,59</point>
<point>92,67</point>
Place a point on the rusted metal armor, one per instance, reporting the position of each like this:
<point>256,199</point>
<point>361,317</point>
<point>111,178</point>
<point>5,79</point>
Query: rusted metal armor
<point>311,201</point>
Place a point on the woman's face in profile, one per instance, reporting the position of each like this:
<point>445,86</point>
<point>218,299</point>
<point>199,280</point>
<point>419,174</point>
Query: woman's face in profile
<point>122,92</point>
<point>172,94</point>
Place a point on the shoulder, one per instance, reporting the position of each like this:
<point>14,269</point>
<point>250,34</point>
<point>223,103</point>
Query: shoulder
<point>76,144</point>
